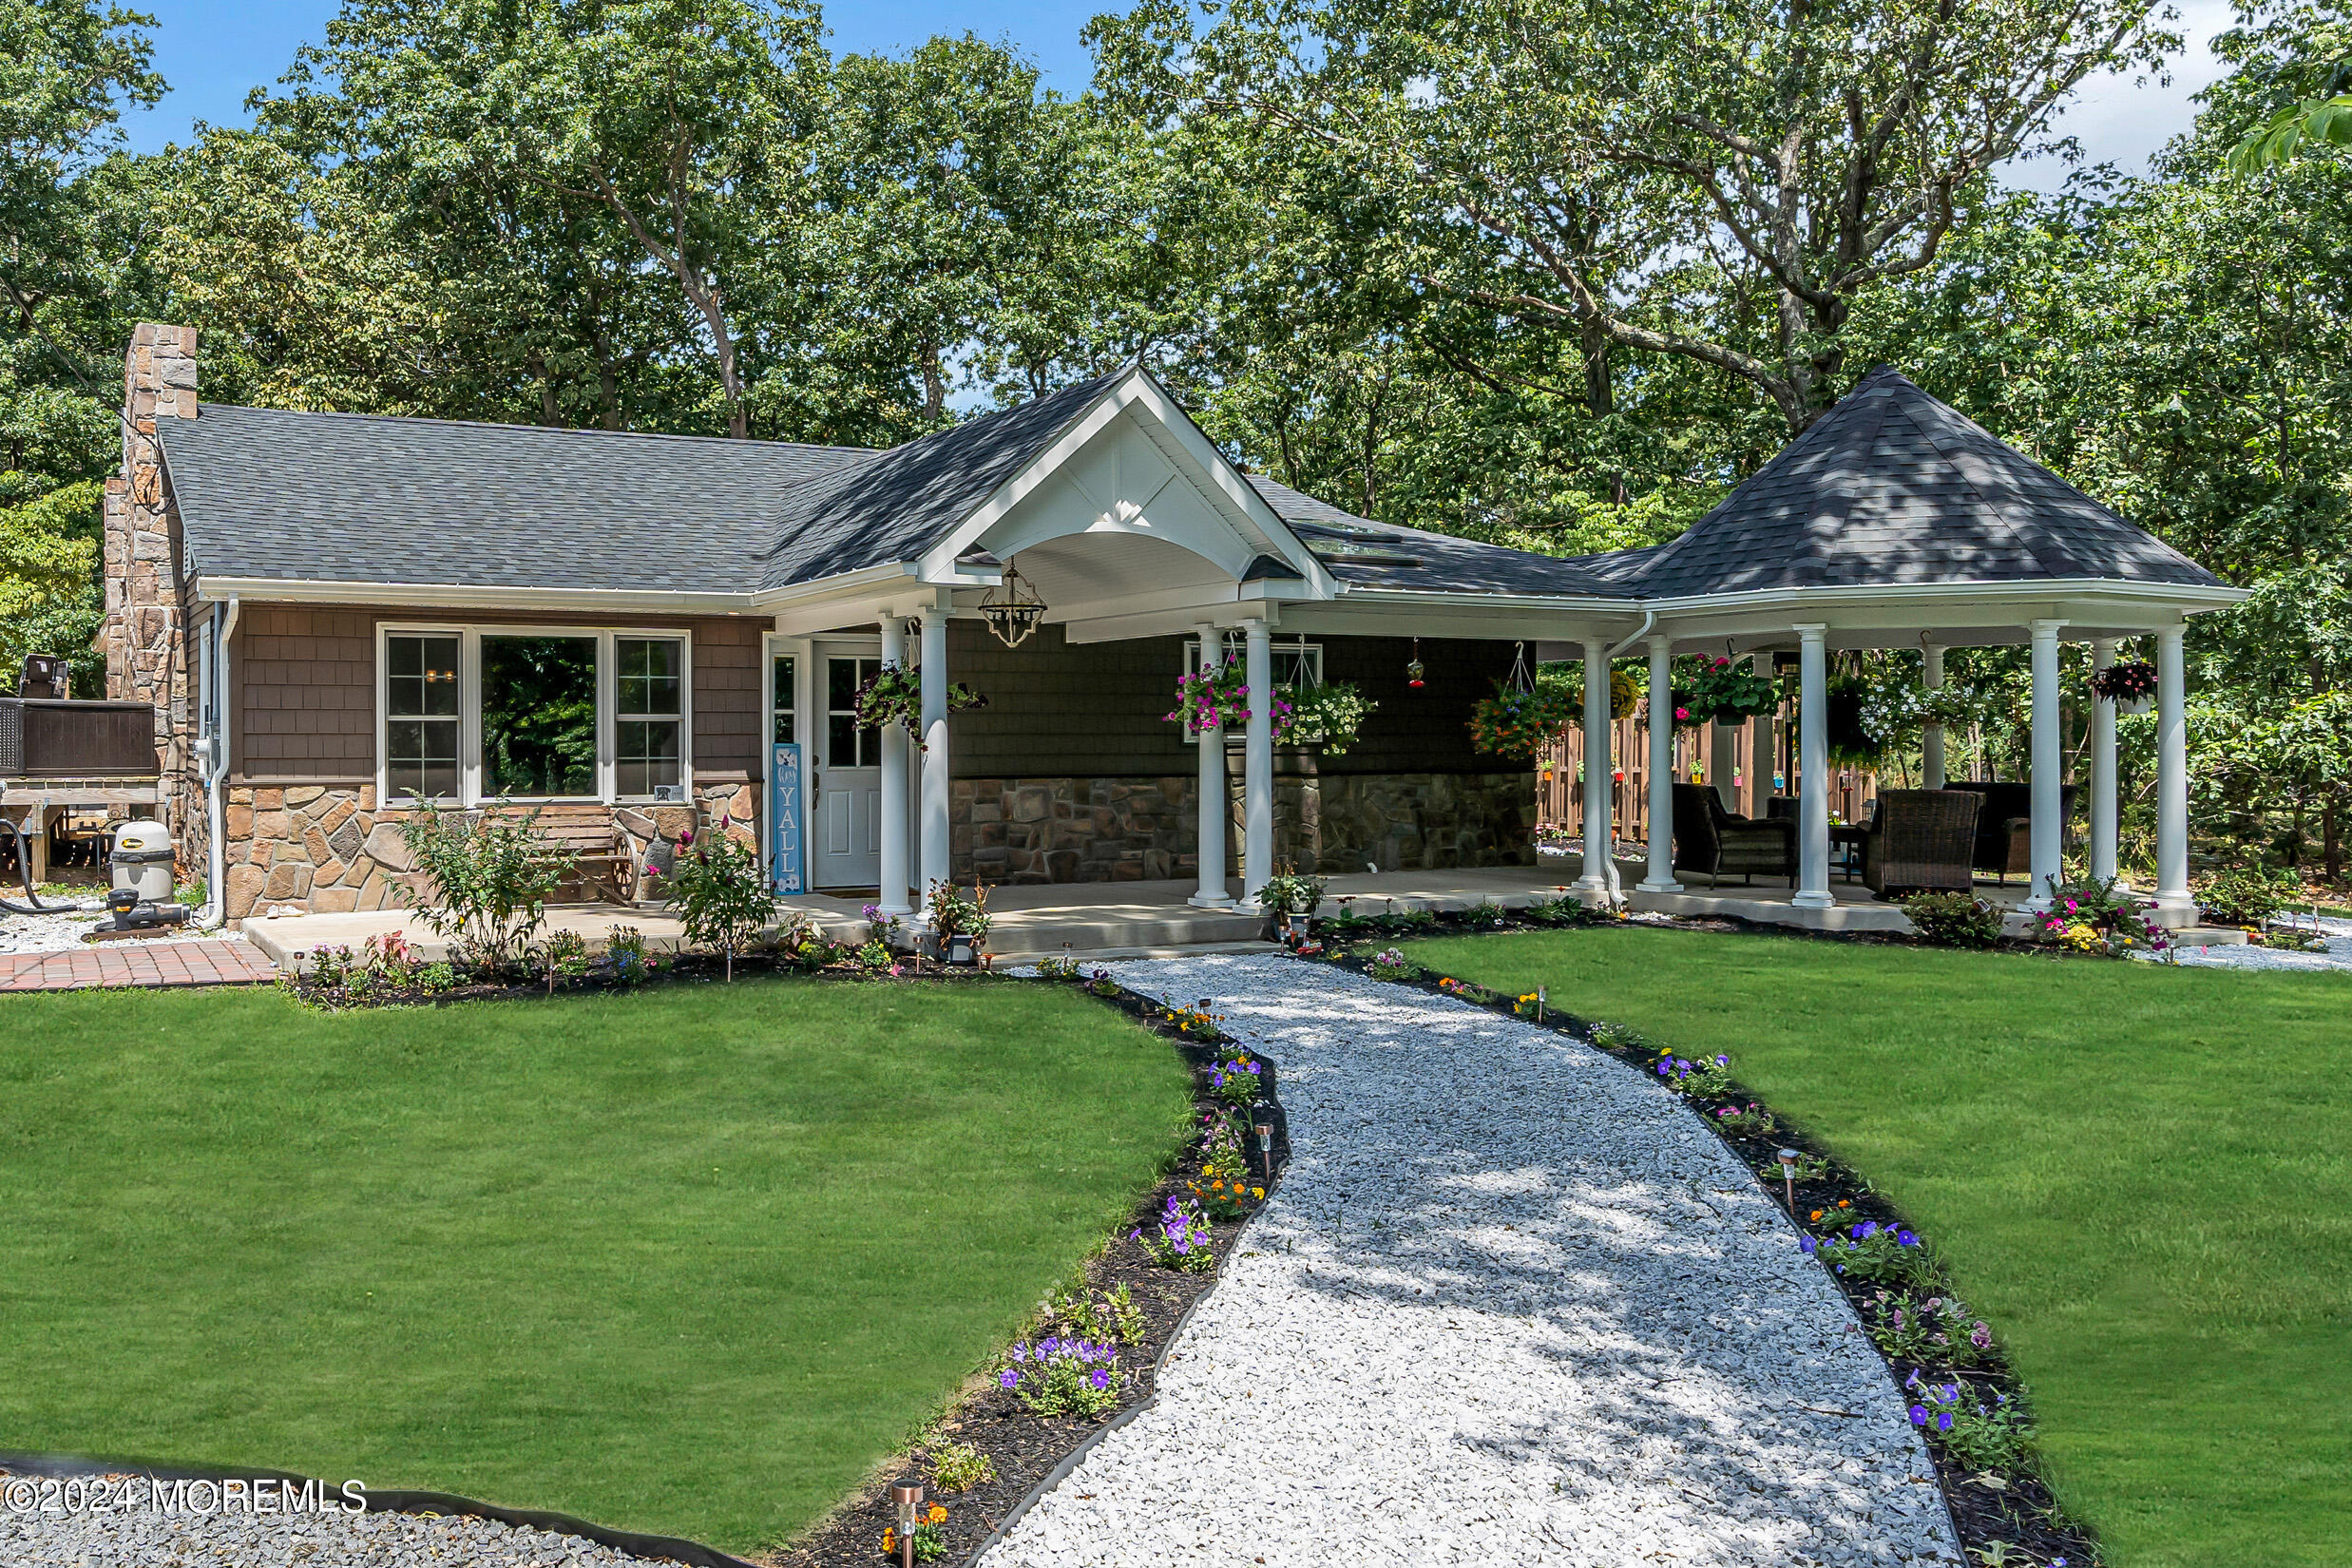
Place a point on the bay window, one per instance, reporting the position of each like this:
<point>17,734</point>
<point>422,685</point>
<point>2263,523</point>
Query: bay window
<point>528,712</point>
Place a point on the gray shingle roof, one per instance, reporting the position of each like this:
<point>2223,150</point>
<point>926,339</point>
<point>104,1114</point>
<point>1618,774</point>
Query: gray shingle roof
<point>1891,487</point>
<point>1385,555</point>
<point>264,492</point>
<point>900,504</point>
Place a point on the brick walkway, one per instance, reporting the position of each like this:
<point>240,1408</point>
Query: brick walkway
<point>134,963</point>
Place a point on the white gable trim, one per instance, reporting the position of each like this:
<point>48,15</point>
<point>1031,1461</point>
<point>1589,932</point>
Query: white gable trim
<point>1226,490</point>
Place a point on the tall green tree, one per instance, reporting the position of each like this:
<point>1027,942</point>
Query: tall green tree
<point>1717,182</point>
<point>68,69</point>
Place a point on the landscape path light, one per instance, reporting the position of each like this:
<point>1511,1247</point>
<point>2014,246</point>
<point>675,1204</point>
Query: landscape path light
<point>906,1500</point>
<point>1788,1178</point>
<point>1266,1149</point>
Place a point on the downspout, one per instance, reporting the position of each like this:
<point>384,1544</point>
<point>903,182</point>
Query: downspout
<point>216,777</point>
<point>1648,618</point>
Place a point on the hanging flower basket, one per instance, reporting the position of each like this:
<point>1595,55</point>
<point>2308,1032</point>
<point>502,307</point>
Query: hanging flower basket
<point>1727,691</point>
<point>1213,699</point>
<point>1330,714</point>
<point>2128,683</point>
<point>1522,722</point>
<point>894,696</point>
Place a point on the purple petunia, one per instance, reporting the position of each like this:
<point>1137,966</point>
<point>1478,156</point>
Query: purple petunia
<point>1101,1378</point>
<point>1723,1062</point>
<point>1906,1238</point>
<point>1918,1415</point>
<point>1944,1421</point>
<point>1009,1379</point>
<point>1809,1245</point>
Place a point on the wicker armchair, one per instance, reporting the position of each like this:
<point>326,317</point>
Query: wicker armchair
<point>2005,828</point>
<point>1709,840</point>
<point>1922,841</point>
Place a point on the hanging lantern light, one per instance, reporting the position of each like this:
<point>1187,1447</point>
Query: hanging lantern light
<point>1012,608</point>
<point>1413,671</point>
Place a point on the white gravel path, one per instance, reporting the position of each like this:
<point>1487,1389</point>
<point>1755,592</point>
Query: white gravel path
<point>1510,1305</point>
<point>146,1539</point>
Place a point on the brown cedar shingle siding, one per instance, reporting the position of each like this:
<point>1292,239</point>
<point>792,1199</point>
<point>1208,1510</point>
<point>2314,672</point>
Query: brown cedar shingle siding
<point>1424,731</point>
<point>306,677</point>
<point>308,681</point>
<point>1095,711</point>
<point>729,728</point>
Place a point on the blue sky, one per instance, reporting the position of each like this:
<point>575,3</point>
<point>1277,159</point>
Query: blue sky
<point>214,51</point>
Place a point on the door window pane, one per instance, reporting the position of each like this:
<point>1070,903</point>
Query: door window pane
<point>538,716</point>
<point>649,705</point>
<point>783,731</point>
<point>848,743</point>
<point>420,716</point>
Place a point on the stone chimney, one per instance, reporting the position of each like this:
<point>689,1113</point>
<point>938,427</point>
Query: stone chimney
<point>145,637</point>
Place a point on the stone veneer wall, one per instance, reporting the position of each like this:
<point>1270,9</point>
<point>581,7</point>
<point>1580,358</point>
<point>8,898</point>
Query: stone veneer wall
<point>146,636</point>
<point>1143,830</point>
<point>325,849</point>
<point>1074,830</point>
<point>1423,821</point>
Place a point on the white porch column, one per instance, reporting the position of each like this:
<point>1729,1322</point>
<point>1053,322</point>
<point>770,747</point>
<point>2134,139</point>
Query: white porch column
<point>2104,805</point>
<point>1601,791</point>
<point>2049,832</point>
<point>2174,903</point>
<point>938,866</point>
<point>896,744</point>
<point>1661,876</point>
<point>1214,805</point>
<point>1813,769</point>
<point>1931,738</point>
<point>1257,837</point>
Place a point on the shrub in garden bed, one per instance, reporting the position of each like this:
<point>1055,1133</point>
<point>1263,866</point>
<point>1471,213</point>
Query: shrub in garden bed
<point>1953,1378</point>
<point>1953,920</point>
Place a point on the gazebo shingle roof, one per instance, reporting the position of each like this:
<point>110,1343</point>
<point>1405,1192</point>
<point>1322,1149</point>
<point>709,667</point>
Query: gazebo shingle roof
<point>1892,487</point>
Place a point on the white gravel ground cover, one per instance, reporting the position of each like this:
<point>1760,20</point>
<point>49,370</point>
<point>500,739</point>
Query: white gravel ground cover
<point>1512,1304</point>
<point>2339,954</point>
<point>62,934</point>
<point>143,1538</point>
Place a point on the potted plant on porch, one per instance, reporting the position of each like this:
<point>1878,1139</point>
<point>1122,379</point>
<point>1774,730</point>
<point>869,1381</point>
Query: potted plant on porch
<point>958,923</point>
<point>1292,899</point>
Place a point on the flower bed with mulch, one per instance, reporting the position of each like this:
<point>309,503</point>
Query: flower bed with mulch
<point>1955,1381</point>
<point>988,1422</point>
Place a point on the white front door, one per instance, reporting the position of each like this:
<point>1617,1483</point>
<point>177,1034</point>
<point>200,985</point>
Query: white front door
<point>845,824</point>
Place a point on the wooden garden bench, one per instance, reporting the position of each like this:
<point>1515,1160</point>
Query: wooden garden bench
<point>585,831</point>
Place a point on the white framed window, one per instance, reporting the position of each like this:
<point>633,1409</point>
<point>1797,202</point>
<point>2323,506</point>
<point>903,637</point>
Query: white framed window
<point>475,712</point>
<point>1296,662</point>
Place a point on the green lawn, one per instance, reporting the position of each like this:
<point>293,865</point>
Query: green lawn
<point>2138,1173</point>
<point>686,1261</point>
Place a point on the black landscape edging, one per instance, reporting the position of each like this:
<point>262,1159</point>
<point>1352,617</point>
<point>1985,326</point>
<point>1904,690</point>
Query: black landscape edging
<point>658,1548</point>
<point>848,1535</point>
<point>1980,1518</point>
